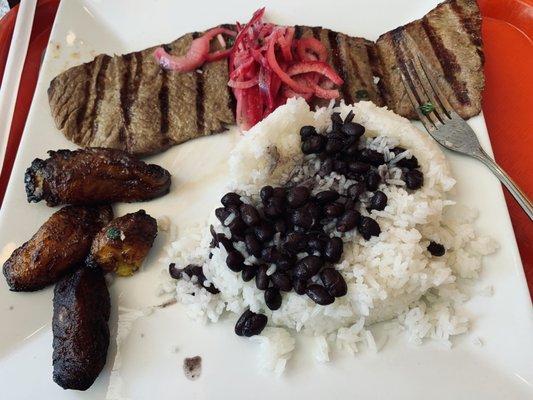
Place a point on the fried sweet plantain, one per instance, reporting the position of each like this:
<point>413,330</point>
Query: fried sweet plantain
<point>61,243</point>
<point>79,325</point>
<point>122,245</point>
<point>94,176</point>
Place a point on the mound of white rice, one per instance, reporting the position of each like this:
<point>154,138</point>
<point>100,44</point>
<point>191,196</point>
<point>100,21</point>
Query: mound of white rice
<point>390,276</point>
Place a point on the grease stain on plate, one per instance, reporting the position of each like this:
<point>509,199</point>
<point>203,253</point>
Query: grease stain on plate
<point>192,367</point>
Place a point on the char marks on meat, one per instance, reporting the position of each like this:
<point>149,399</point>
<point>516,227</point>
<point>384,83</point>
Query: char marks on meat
<point>128,102</point>
<point>449,38</point>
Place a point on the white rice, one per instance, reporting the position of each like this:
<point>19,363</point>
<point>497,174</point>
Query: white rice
<point>390,276</point>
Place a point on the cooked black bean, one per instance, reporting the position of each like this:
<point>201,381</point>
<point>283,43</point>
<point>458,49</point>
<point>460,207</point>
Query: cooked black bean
<point>266,193</point>
<point>351,150</point>
<point>333,282</point>
<point>349,204</point>
<point>270,254</point>
<point>221,239</point>
<point>280,225</point>
<point>250,324</point>
<point>248,272</point>
<point>326,196</point>
<point>356,190</point>
<point>326,168</point>
<point>319,294</point>
<point>313,144</point>
<point>340,166</point>
<point>378,201</point>
<point>274,207</point>
<point>315,210</point>
<point>235,261</point>
<point>333,210</point>
<point>280,192</point>
<point>371,157</point>
<point>302,217</point>
<point>285,262</point>
<point>174,271</point>
<point>436,249</point>
<point>295,242</point>
<point>261,278</point>
<point>372,180</point>
<point>316,243</point>
<point>333,145</point>
<point>264,232</point>
<point>358,167</point>
<point>333,249</point>
<point>353,129</point>
<point>250,215</point>
<point>368,227</point>
<point>348,221</point>
<point>409,163</point>
<point>222,214</point>
<point>336,121</point>
<point>298,196</point>
<point>191,271</point>
<point>307,267</point>
<point>349,117</point>
<point>300,285</point>
<point>240,322</point>
<point>282,281</point>
<point>306,131</point>
<point>414,179</point>
<point>237,227</point>
<point>273,298</point>
<point>231,198</point>
<point>253,245</point>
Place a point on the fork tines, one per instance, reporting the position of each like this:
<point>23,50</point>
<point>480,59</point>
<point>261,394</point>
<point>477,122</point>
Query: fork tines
<point>421,85</point>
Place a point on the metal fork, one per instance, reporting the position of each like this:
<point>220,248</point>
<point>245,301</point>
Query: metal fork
<point>446,126</point>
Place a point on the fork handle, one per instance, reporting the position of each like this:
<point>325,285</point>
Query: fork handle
<point>517,193</point>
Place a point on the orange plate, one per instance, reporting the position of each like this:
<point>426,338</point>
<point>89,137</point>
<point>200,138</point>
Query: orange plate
<point>507,100</point>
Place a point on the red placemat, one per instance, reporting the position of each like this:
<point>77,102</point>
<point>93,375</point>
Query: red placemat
<point>507,99</point>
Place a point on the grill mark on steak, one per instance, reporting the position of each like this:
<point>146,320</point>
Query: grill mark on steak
<point>338,63</point>
<point>448,61</point>
<point>199,94</point>
<point>470,28</point>
<point>125,89</point>
<point>397,37</point>
<point>297,31</point>
<point>100,91</point>
<point>88,67</point>
<point>316,32</point>
<point>163,102</point>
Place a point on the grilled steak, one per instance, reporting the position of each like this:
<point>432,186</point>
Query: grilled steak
<point>128,102</point>
<point>449,37</point>
<point>352,57</point>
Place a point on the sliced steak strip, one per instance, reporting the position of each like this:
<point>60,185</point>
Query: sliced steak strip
<point>129,103</point>
<point>449,37</point>
<point>351,57</point>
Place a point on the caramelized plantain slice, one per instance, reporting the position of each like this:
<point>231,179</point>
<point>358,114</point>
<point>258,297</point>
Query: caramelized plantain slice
<point>79,325</point>
<point>59,245</point>
<point>94,176</point>
<point>122,245</point>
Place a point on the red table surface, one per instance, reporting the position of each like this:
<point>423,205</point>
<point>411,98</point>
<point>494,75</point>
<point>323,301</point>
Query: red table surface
<point>507,99</point>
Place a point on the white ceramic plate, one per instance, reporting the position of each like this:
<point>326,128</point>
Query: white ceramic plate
<point>153,352</point>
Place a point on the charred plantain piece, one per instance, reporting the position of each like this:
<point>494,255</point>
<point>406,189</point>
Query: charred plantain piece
<point>59,245</point>
<point>79,325</point>
<point>122,245</point>
<point>94,176</point>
